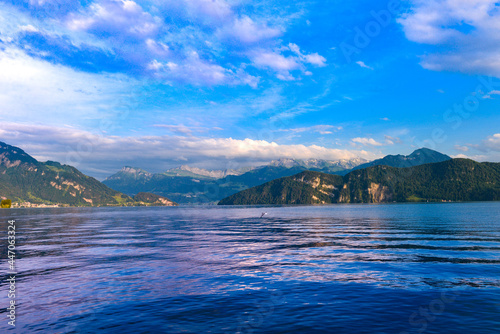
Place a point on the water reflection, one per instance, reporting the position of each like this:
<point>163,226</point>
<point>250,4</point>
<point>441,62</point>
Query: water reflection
<point>121,262</point>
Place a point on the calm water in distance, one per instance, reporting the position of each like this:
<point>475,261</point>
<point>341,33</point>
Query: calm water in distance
<point>402,268</point>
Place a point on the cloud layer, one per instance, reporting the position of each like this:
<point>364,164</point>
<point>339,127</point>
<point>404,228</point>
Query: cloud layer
<point>465,34</point>
<point>196,42</point>
<point>102,155</point>
<point>29,86</point>
<point>491,143</point>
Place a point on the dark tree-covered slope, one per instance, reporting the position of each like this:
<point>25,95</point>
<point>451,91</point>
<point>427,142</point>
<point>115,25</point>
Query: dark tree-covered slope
<point>452,180</point>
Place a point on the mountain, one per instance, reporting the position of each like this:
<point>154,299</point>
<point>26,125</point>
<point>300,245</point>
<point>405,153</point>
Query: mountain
<point>200,172</point>
<point>451,180</point>
<point>195,185</point>
<point>325,166</point>
<point>181,189</point>
<point>24,179</point>
<point>130,178</point>
<point>307,187</point>
<point>134,173</point>
<point>193,188</point>
<point>418,157</point>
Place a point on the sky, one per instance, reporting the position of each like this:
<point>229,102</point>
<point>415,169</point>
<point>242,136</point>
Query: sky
<point>101,84</point>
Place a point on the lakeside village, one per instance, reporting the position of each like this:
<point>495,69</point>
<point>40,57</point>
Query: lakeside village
<point>7,203</point>
<point>37,205</point>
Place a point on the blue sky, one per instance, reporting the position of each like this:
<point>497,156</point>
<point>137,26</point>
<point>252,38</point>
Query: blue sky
<point>224,84</point>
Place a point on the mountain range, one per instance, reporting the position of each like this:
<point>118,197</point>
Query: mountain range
<point>195,185</point>
<point>23,179</point>
<point>192,189</point>
<point>423,175</point>
<point>450,180</point>
<point>195,172</point>
<point>318,164</point>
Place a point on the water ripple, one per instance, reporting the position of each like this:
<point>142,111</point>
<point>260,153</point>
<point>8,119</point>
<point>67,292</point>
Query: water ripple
<point>300,269</point>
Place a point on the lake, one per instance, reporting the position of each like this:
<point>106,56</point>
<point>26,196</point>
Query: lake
<point>397,268</point>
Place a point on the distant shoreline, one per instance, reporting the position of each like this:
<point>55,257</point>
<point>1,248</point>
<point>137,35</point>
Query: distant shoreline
<point>189,206</point>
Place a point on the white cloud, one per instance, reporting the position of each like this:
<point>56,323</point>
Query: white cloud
<point>15,23</point>
<point>366,141</point>
<point>388,140</point>
<point>313,59</point>
<point>158,39</point>
<point>489,148</point>
<point>465,32</point>
<point>274,61</point>
<point>90,151</point>
<point>285,76</point>
<point>488,95</point>
<point>283,65</point>
<point>491,143</point>
<point>123,17</point>
<point>146,41</point>
<point>392,140</point>
<point>28,28</point>
<point>245,30</point>
<point>362,64</point>
<point>217,10</point>
<point>158,48</point>
<point>461,148</point>
<point>478,157</point>
<point>39,91</point>
<point>191,70</point>
<point>194,70</point>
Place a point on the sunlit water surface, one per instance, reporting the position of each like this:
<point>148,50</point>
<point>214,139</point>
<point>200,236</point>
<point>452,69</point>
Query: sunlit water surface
<point>402,268</point>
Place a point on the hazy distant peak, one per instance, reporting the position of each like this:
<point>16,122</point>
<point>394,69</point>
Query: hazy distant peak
<point>317,163</point>
<point>133,170</point>
<point>216,174</point>
<point>128,172</point>
<point>285,162</point>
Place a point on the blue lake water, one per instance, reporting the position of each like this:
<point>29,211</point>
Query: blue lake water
<point>402,268</point>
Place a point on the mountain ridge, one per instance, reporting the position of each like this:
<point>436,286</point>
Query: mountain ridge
<point>189,188</point>
<point>197,172</point>
<point>23,179</point>
<point>197,189</point>
<point>418,157</point>
<point>451,180</point>
<point>318,163</point>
